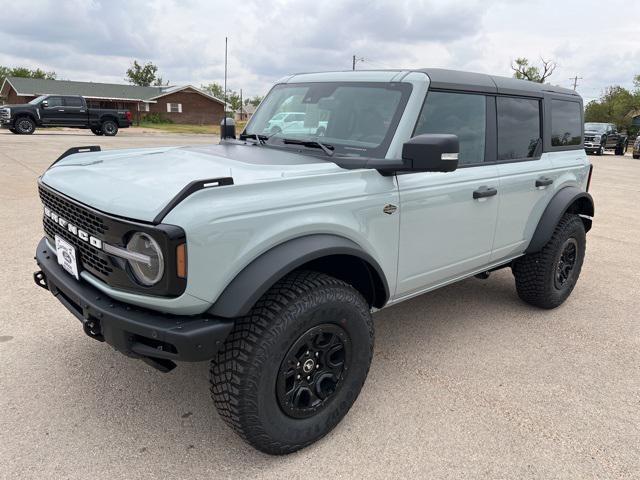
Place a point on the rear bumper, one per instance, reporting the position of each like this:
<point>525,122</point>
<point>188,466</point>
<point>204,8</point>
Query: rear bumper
<point>157,338</point>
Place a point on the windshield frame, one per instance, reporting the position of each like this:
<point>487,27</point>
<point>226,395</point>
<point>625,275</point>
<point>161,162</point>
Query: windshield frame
<point>341,149</point>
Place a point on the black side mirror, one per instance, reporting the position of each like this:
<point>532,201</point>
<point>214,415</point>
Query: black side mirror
<point>431,152</point>
<point>227,128</point>
<point>44,104</point>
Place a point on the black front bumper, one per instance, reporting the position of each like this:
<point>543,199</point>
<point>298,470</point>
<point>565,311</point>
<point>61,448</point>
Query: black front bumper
<point>152,336</point>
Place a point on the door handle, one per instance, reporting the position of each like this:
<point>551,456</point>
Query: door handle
<point>543,182</point>
<point>484,192</point>
<point>61,110</point>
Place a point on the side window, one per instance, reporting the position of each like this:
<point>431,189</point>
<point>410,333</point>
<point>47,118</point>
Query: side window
<point>73,101</point>
<point>566,123</point>
<point>518,128</point>
<point>54,101</point>
<point>461,114</point>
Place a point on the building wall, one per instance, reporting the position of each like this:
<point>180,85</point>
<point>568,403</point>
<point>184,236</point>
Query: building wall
<point>196,109</point>
<point>11,98</point>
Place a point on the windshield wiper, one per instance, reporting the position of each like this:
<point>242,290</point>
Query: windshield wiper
<point>328,149</point>
<point>260,139</point>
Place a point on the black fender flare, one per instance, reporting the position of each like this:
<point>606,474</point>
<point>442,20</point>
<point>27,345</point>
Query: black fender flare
<point>568,199</point>
<point>262,273</point>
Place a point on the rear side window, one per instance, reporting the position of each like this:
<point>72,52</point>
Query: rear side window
<point>460,114</point>
<point>518,128</point>
<point>73,102</point>
<point>566,123</point>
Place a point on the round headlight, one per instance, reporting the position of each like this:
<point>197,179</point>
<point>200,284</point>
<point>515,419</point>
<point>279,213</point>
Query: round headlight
<point>149,269</point>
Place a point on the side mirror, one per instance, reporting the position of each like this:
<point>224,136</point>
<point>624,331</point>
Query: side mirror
<point>227,128</point>
<point>44,104</point>
<point>431,152</point>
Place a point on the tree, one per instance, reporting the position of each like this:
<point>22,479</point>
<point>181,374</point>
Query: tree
<point>214,89</point>
<point>614,106</point>
<point>24,72</point>
<point>255,100</point>
<point>142,76</point>
<point>524,71</point>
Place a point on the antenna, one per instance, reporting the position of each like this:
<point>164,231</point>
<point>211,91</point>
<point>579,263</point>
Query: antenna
<point>225,88</point>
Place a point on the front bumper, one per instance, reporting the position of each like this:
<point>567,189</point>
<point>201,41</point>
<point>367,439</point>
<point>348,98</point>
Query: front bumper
<point>160,339</point>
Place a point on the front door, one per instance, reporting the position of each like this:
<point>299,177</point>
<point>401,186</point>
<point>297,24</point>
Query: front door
<point>447,220</point>
<point>53,112</point>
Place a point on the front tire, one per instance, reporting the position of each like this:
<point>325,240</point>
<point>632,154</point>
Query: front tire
<point>24,126</point>
<point>96,131</point>
<point>545,279</point>
<point>621,149</point>
<point>13,130</point>
<point>291,369</point>
<point>109,128</point>
<point>600,151</point>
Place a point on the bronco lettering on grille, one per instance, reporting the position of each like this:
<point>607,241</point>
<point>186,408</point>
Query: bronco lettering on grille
<point>78,232</point>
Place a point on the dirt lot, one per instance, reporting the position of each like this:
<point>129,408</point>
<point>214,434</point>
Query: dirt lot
<point>466,382</point>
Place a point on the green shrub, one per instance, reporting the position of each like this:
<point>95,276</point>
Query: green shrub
<point>156,118</point>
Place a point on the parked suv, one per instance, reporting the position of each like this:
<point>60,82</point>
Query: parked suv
<point>599,137</point>
<point>62,111</point>
<point>267,255</point>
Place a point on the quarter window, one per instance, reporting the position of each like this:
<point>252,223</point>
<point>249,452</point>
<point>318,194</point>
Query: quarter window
<point>518,128</point>
<point>566,123</point>
<point>174,107</point>
<point>460,114</point>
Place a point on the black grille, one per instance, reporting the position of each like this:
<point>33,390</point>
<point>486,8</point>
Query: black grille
<point>91,258</point>
<point>80,217</point>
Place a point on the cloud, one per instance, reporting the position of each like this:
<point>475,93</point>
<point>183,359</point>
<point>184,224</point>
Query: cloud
<point>98,39</point>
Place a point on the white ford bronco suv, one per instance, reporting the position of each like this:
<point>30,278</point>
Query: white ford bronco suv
<point>267,254</point>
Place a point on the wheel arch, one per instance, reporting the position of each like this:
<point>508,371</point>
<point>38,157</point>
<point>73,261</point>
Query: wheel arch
<point>20,115</point>
<point>331,254</point>
<point>567,200</point>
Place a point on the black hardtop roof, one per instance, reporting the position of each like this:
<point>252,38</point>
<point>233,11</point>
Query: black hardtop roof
<point>482,82</point>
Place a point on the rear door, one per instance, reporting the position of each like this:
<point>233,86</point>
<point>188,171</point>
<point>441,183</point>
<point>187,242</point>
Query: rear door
<point>75,112</point>
<point>445,232</point>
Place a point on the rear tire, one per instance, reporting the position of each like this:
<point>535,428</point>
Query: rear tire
<point>109,128</point>
<point>96,131</point>
<point>291,369</point>
<point>24,126</point>
<point>621,149</point>
<point>546,278</point>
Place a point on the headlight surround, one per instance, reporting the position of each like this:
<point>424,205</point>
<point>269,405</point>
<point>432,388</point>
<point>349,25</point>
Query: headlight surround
<point>147,271</point>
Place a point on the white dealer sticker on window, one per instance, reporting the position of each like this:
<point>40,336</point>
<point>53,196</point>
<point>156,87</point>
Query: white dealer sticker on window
<point>67,256</point>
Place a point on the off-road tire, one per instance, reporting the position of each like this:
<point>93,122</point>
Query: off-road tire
<point>24,125</point>
<point>13,130</point>
<point>600,151</point>
<point>243,376</point>
<point>109,128</point>
<point>621,149</point>
<point>535,273</point>
<point>97,131</point>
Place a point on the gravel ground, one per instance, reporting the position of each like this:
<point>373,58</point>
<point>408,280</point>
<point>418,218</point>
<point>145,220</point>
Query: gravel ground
<point>466,382</point>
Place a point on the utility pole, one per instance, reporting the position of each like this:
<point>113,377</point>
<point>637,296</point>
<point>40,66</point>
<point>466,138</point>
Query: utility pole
<point>575,81</point>
<point>356,59</point>
<point>241,106</point>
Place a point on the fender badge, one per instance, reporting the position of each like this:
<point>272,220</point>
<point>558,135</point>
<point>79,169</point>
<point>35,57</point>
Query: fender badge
<point>389,209</point>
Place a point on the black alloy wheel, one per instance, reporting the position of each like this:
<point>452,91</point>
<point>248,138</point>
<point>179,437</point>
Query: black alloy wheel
<point>25,126</point>
<point>566,263</point>
<point>313,370</point>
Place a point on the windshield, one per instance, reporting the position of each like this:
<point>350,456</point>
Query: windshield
<point>356,119</point>
<point>596,127</point>
<point>37,100</point>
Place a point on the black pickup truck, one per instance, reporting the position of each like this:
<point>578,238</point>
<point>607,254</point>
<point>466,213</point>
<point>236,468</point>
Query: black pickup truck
<point>62,111</point>
<point>599,137</point>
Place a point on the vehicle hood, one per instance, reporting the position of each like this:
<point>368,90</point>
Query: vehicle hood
<point>592,132</point>
<point>139,183</point>
<point>13,106</point>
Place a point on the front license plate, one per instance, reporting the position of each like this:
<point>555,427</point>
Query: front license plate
<point>67,256</point>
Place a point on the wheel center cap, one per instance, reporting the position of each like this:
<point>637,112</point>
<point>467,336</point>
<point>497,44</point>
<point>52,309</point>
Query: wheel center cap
<point>308,365</point>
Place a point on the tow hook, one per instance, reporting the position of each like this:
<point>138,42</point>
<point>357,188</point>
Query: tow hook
<point>40,279</point>
<point>93,329</point>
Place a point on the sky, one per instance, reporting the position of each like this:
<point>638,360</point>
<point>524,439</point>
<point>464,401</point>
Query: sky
<point>96,40</point>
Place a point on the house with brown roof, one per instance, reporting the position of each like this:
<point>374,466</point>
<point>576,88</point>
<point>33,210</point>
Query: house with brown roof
<point>180,104</point>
